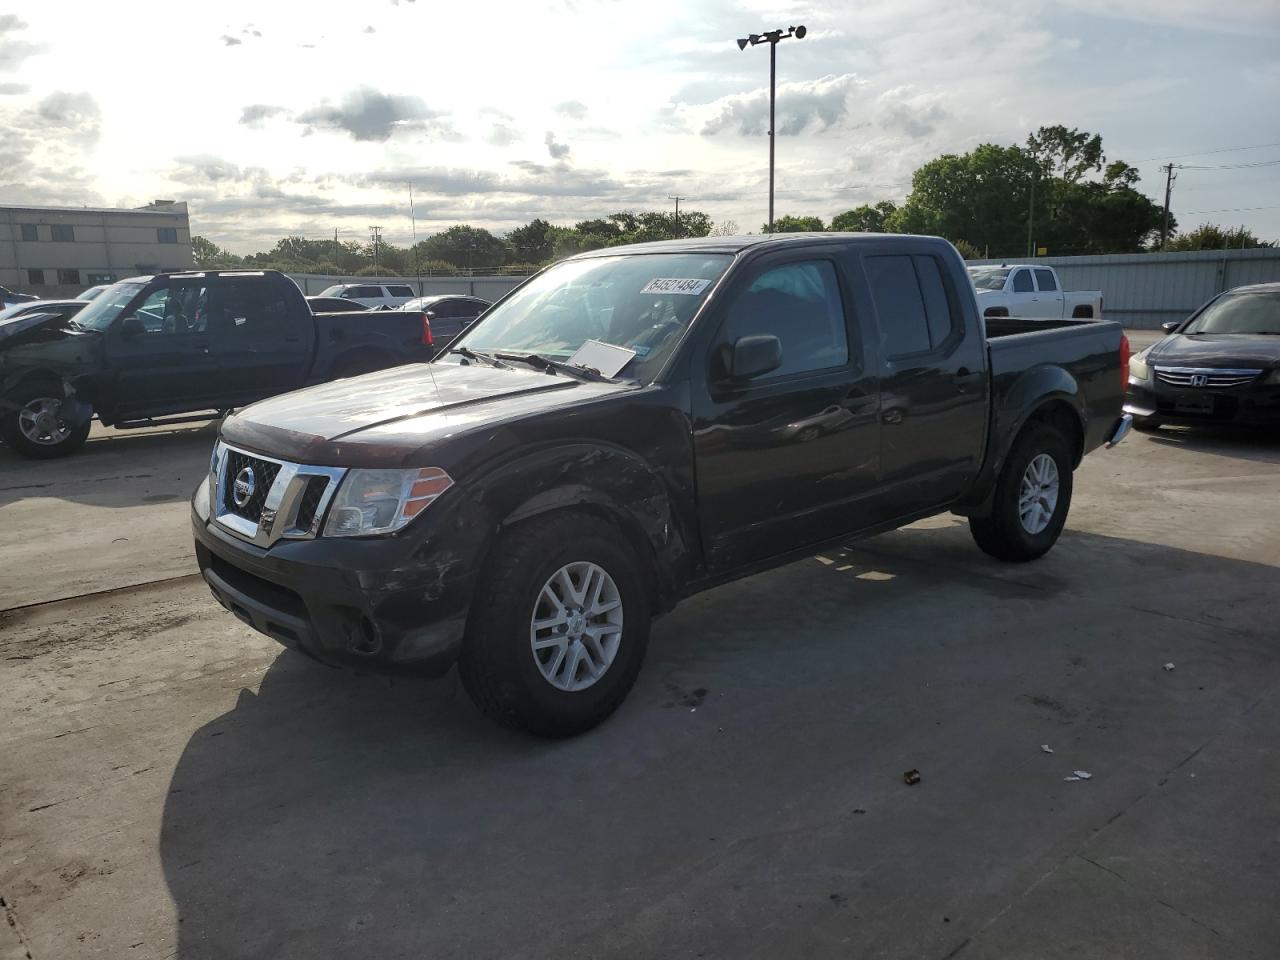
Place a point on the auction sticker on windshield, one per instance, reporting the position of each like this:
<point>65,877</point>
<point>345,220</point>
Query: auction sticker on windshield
<point>691,286</point>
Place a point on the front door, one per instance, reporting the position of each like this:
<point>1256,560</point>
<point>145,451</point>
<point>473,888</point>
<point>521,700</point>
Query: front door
<point>1023,299</point>
<point>160,351</point>
<point>934,383</point>
<point>784,459</point>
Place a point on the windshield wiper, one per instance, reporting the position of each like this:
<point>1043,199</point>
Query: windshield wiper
<point>483,357</point>
<point>547,365</point>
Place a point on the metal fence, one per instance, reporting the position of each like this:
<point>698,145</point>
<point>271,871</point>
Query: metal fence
<point>487,288</point>
<point>1144,290</point>
<point>1141,290</point>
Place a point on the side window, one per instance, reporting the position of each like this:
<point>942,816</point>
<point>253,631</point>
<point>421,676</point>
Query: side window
<point>35,277</point>
<point>166,234</point>
<point>1046,280</point>
<point>365,293</point>
<point>400,291</point>
<point>799,303</point>
<point>63,233</point>
<point>904,323</point>
<point>177,309</point>
<point>248,312</point>
<point>69,277</point>
<point>937,305</point>
<point>1022,282</point>
<point>29,232</point>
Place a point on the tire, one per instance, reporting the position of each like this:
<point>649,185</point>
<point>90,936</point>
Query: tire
<point>1146,424</point>
<point>1004,534</point>
<point>33,439</point>
<point>520,688</point>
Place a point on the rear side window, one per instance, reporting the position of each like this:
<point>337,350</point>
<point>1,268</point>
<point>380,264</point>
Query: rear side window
<point>248,311</point>
<point>799,303</point>
<point>912,303</point>
<point>1046,280</point>
<point>364,293</point>
<point>400,291</point>
<point>1022,282</point>
<point>904,325</point>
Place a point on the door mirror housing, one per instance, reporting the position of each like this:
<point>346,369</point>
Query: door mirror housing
<point>1171,326</point>
<point>749,357</point>
<point>132,326</point>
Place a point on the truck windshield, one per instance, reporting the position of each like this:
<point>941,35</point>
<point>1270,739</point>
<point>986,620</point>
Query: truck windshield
<point>989,278</point>
<point>1239,313</point>
<point>642,302</point>
<point>106,306</point>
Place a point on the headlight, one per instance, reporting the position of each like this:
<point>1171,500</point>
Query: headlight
<point>1138,369</point>
<point>382,501</point>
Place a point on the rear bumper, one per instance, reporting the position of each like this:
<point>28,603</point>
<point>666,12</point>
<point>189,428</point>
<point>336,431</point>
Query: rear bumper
<point>1254,405</point>
<point>380,605</point>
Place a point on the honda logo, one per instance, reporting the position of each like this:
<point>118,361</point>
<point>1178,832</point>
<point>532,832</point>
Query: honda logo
<point>1199,379</point>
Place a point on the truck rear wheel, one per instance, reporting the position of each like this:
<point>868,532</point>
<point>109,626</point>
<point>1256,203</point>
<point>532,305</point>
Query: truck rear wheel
<point>30,423</point>
<point>1032,497</point>
<point>558,629</point>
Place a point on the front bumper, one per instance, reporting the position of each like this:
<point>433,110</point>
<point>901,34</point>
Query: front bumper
<point>382,604</point>
<point>1254,405</point>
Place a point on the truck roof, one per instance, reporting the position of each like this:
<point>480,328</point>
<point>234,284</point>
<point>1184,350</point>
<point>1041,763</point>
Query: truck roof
<point>740,243</point>
<point>192,274</point>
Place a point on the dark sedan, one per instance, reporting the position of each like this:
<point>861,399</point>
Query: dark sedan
<point>1220,366</point>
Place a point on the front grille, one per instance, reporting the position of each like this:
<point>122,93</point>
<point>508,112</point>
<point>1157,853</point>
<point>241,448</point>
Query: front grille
<point>1195,377</point>
<point>310,501</point>
<point>263,475</point>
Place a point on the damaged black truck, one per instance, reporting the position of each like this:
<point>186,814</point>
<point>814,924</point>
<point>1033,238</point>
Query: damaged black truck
<point>181,347</point>
<point>632,426</point>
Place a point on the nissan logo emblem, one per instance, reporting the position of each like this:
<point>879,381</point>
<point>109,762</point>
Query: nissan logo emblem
<point>243,487</point>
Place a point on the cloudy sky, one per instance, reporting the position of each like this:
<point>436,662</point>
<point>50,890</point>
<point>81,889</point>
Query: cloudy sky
<point>289,118</point>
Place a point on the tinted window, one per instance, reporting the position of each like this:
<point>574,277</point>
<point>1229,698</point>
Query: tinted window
<point>400,291</point>
<point>69,278</point>
<point>1022,282</point>
<point>937,306</point>
<point>29,232</point>
<point>167,234</point>
<point>799,303</point>
<point>63,233</point>
<point>35,278</point>
<point>1046,280</point>
<point>248,311</point>
<point>904,323</point>
<point>364,293</point>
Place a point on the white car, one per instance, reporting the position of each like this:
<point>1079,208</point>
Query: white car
<point>1032,291</point>
<point>372,294</point>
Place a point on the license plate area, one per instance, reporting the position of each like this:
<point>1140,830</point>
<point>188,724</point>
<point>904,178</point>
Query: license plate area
<point>1200,403</point>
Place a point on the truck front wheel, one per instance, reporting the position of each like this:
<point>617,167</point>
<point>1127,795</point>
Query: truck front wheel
<point>1032,497</point>
<point>31,422</point>
<point>558,628</point>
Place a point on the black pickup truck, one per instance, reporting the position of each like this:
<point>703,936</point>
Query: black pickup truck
<point>524,504</point>
<point>162,346</point>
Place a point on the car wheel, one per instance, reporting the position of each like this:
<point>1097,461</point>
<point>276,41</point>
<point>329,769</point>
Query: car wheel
<point>559,627</point>
<point>1032,498</point>
<point>34,428</point>
<point>1146,423</point>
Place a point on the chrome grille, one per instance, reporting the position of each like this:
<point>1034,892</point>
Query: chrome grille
<point>1205,376</point>
<point>287,500</point>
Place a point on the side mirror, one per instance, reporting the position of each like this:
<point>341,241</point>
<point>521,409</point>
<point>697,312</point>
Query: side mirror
<point>131,326</point>
<point>751,357</point>
<point>1171,326</point>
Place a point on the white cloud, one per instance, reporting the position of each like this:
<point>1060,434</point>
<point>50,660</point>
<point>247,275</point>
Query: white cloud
<point>368,114</point>
<point>802,106</point>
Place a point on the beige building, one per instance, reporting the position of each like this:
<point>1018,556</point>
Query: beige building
<point>56,252</point>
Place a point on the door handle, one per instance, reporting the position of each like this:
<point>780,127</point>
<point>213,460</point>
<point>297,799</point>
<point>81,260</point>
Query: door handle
<point>964,377</point>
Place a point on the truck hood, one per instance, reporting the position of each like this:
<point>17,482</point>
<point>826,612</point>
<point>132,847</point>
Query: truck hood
<point>383,418</point>
<point>1217,350</point>
<point>17,330</point>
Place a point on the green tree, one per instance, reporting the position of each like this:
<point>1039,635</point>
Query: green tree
<point>791,224</point>
<point>866,218</point>
<point>210,256</point>
<point>1209,236</point>
<point>967,250</point>
<point>533,243</point>
<point>465,246</point>
<point>1067,154</point>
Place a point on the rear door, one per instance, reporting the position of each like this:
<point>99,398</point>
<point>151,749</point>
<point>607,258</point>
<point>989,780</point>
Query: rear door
<point>784,460</point>
<point>1049,297</point>
<point>261,337</point>
<point>160,351</point>
<point>933,379</point>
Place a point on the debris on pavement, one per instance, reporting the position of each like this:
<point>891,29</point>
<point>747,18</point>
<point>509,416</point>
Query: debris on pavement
<point>1168,667</point>
<point>1079,775</point>
<point>911,777</point>
<point>1045,748</point>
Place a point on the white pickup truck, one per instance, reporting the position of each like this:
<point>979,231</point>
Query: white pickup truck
<point>1031,291</point>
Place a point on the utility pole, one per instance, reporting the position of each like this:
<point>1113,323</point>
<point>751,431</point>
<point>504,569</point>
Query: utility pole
<point>677,200</point>
<point>1168,192</point>
<point>375,238</point>
<point>413,222</point>
<point>1031,217</point>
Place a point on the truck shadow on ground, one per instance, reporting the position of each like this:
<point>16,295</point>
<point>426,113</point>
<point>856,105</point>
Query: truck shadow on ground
<point>748,798</point>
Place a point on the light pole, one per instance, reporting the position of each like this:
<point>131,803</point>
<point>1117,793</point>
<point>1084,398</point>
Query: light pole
<point>771,38</point>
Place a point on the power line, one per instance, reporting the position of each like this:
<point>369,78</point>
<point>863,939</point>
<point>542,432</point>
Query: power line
<point>1205,153</point>
<point>1230,166</point>
<point>1191,213</point>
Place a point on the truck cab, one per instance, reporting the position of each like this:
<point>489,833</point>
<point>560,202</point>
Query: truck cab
<point>1030,291</point>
